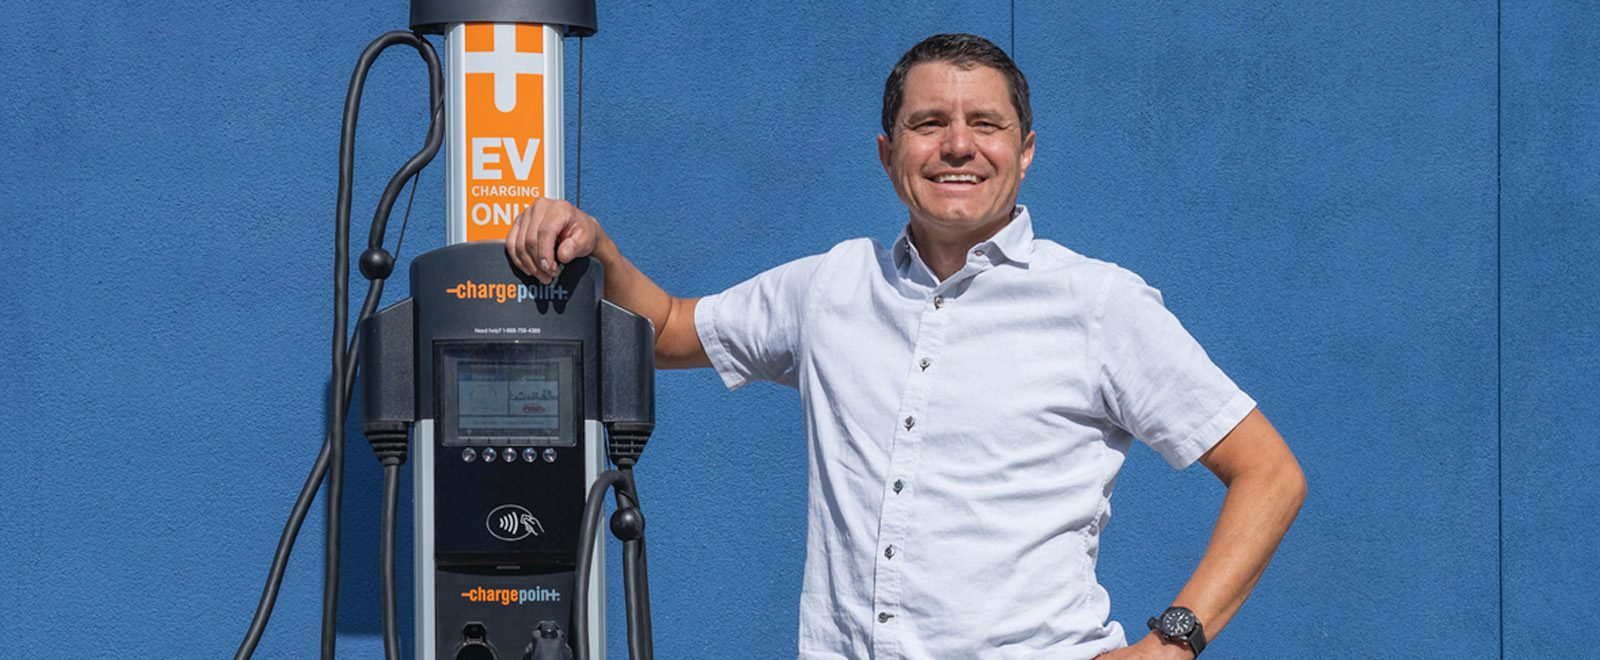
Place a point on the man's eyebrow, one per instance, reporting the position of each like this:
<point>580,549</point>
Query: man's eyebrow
<point>991,115</point>
<point>920,115</point>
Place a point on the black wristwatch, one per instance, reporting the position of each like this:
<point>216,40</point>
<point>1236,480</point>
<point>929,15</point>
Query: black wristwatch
<point>1178,624</point>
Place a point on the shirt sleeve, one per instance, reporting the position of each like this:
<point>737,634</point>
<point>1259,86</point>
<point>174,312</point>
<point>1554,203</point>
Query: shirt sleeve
<point>1158,383</point>
<point>752,331</point>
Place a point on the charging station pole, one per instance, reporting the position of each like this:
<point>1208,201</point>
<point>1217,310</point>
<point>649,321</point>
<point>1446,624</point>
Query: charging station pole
<point>476,531</point>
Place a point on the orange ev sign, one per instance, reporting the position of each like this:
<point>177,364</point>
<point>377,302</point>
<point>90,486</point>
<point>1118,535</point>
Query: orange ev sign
<point>503,119</point>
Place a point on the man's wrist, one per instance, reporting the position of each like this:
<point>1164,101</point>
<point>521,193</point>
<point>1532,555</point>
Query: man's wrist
<point>1176,649</point>
<point>1158,646</point>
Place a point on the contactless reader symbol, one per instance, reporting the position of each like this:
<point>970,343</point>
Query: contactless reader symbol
<point>511,522</point>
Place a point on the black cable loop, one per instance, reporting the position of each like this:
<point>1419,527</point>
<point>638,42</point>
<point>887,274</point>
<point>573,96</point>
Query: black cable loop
<point>635,574</point>
<point>329,466</point>
<point>593,505</point>
<point>286,541</point>
<point>340,404</point>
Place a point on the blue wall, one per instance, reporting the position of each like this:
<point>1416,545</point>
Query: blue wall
<point>1550,248</point>
<point>1379,217</point>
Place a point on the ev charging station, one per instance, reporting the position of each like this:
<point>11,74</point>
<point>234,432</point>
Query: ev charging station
<point>515,387</point>
<point>510,395</point>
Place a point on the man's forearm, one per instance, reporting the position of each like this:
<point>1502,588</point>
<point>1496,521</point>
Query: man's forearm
<point>1256,512</point>
<point>677,345</point>
<point>1265,490</point>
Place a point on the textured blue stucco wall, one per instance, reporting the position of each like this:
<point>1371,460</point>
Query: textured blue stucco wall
<point>1380,218</point>
<point>1550,245</point>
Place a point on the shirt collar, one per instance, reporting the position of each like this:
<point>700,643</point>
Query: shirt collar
<point>1015,240</point>
<point>1014,243</point>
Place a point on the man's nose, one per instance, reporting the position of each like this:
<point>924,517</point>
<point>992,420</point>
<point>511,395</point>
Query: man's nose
<point>958,143</point>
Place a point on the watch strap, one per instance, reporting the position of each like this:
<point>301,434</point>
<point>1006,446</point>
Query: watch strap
<point>1197,638</point>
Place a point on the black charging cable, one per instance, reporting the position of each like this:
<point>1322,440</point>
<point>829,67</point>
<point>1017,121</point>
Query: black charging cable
<point>627,524</point>
<point>376,265</point>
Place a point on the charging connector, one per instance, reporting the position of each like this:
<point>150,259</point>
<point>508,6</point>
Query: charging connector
<point>549,643</point>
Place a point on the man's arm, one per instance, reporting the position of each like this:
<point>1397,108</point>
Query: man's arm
<point>551,233</point>
<point>1265,490</point>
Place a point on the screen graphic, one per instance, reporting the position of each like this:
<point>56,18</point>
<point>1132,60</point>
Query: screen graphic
<point>497,399</point>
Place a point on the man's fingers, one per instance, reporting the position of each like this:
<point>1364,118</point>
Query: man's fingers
<point>538,216</point>
<point>554,221</point>
<point>524,239</point>
<point>514,241</point>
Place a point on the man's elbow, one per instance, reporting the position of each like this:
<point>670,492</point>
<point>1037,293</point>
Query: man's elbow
<point>681,360</point>
<point>1289,487</point>
<point>1277,485</point>
<point>677,340</point>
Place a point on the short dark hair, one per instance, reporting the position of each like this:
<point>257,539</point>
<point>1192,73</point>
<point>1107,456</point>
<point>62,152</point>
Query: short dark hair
<point>965,51</point>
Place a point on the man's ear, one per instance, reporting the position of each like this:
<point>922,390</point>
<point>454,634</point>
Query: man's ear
<point>885,148</point>
<point>1027,154</point>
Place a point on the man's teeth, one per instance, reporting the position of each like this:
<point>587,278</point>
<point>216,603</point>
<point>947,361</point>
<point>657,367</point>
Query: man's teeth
<point>956,178</point>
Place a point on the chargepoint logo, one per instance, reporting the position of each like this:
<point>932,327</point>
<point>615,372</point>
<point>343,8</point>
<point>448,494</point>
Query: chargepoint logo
<point>502,292</point>
<point>511,596</point>
<point>511,522</point>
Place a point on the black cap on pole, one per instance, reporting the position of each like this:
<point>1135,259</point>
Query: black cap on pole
<point>431,16</point>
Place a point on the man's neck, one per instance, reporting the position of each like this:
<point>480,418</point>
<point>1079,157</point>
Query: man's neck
<point>945,254</point>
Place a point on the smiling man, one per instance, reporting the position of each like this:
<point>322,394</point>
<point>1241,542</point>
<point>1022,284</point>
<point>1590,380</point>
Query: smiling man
<point>970,393</point>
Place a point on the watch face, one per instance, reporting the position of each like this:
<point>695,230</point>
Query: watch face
<point>1177,622</point>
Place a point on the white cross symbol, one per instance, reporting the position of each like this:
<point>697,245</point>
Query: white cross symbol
<point>505,63</point>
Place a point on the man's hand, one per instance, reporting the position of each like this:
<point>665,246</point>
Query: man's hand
<point>1152,647</point>
<point>549,234</point>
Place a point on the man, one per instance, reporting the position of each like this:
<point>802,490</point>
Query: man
<point>970,394</point>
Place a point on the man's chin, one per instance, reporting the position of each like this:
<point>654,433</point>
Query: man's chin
<point>959,221</point>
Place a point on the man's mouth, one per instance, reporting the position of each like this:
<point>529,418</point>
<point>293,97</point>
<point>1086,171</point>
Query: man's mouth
<point>956,178</point>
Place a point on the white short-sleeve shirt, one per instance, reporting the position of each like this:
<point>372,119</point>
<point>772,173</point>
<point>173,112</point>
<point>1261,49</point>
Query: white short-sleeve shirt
<point>964,436</point>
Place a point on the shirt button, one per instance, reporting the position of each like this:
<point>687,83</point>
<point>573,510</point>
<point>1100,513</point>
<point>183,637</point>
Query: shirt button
<point>883,617</point>
<point>938,302</point>
<point>910,422</point>
<point>888,553</point>
<point>899,484</point>
<point>978,253</point>
<point>924,362</point>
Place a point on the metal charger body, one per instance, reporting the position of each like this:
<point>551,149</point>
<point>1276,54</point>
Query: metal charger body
<point>504,377</point>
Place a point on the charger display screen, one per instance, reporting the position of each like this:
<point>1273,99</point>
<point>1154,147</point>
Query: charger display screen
<point>511,393</point>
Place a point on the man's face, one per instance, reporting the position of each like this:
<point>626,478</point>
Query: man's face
<point>958,154</point>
